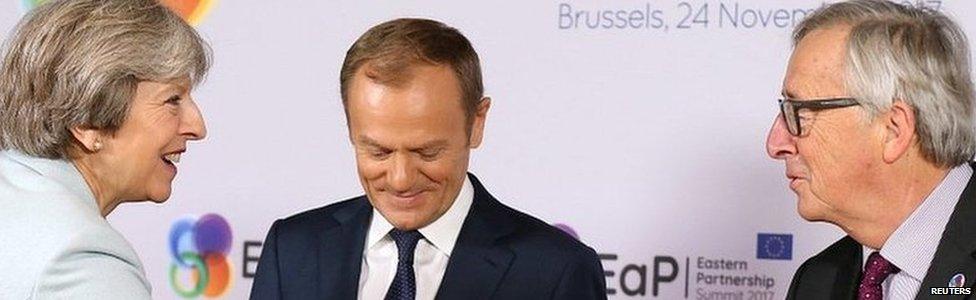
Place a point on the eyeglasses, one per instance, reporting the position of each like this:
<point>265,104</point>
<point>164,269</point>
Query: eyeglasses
<point>791,110</point>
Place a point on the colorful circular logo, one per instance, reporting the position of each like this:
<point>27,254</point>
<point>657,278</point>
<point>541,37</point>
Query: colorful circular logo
<point>193,11</point>
<point>199,248</point>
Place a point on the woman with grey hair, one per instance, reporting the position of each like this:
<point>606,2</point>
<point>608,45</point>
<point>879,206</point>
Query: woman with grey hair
<point>95,110</point>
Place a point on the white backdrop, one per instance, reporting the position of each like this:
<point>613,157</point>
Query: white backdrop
<point>648,142</point>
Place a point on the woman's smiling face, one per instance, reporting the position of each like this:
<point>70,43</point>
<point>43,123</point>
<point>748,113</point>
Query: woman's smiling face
<point>138,160</point>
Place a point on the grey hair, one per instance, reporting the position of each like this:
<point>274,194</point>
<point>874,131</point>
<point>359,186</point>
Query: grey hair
<point>77,63</point>
<point>916,55</point>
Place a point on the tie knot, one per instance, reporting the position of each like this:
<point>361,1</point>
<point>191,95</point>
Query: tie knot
<point>878,268</point>
<point>406,242</point>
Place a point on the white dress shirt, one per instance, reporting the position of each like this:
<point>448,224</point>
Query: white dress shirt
<point>912,246</point>
<point>430,257</point>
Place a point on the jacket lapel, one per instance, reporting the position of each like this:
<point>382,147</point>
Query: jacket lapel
<point>341,252</point>
<point>479,260</point>
<point>848,274</point>
<point>957,248</point>
<point>832,274</point>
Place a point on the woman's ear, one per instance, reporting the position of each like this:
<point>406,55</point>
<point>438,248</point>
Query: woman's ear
<point>89,138</point>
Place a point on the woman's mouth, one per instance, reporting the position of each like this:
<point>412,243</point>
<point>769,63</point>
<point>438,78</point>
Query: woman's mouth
<point>172,159</point>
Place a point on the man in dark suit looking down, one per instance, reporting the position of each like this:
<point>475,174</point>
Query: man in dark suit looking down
<point>425,228</point>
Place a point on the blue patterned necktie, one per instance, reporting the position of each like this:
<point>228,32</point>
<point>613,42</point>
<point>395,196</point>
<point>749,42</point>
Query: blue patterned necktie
<point>404,286</point>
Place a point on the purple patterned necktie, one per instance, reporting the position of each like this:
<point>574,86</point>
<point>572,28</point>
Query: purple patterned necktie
<point>876,271</point>
<point>404,286</point>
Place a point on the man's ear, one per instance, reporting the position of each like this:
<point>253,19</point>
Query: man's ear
<point>900,125</point>
<point>88,137</point>
<point>478,125</point>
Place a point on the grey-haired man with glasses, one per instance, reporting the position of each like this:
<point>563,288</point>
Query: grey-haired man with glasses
<point>876,131</point>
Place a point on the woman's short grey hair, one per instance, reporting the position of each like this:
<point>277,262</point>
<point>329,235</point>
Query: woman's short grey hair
<point>77,63</point>
<point>916,55</point>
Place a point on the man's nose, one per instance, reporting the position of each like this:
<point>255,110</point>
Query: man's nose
<point>780,144</point>
<point>403,173</point>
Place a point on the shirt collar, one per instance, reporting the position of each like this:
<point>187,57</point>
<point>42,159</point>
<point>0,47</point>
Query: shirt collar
<point>442,233</point>
<point>61,171</point>
<point>911,247</point>
<point>378,228</point>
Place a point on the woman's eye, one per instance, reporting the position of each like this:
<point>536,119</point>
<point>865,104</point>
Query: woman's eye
<point>174,100</point>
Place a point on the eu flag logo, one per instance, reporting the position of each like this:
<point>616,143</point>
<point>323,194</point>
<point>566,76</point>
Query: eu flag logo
<point>774,246</point>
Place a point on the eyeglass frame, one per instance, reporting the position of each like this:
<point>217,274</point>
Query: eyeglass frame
<point>813,105</point>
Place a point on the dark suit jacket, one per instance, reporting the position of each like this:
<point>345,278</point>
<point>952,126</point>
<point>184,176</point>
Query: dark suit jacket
<point>835,272</point>
<point>500,254</point>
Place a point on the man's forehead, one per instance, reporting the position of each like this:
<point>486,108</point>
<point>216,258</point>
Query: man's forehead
<point>429,95</point>
<point>816,68</point>
<point>400,73</point>
<point>430,142</point>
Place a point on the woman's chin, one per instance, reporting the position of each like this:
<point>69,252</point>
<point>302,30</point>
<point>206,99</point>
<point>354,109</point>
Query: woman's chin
<point>160,195</point>
<point>159,200</point>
